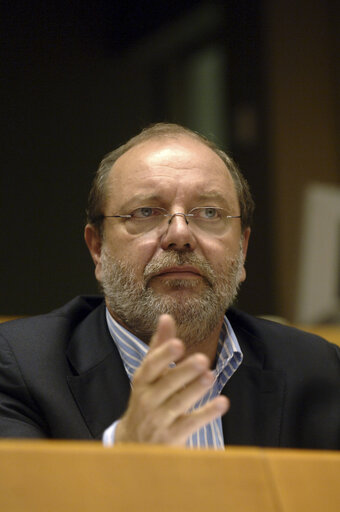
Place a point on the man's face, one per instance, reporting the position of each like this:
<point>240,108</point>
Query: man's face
<point>172,268</point>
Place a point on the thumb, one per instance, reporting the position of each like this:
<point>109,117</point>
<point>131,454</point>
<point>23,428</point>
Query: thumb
<point>165,330</point>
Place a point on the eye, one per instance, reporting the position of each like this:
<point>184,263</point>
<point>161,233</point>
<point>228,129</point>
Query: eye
<point>208,213</point>
<point>146,212</point>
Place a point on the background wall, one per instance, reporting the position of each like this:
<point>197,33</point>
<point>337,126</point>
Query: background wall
<point>82,77</point>
<point>303,84</point>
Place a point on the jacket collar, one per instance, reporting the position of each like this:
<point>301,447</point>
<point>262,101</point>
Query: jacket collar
<point>99,383</point>
<point>256,393</point>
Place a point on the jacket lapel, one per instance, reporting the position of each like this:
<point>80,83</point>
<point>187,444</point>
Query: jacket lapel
<point>100,385</point>
<point>256,396</point>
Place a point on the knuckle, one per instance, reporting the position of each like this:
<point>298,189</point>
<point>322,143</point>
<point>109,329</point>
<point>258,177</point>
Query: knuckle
<point>151,428</point>
<point>177,402</point>
<point>153,425</point>
<point>144,402</point>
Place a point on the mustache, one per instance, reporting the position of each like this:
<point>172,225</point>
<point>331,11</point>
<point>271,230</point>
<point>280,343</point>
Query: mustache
<point>174,259</point>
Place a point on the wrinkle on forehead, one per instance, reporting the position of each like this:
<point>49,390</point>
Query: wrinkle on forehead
<point>155,164</point>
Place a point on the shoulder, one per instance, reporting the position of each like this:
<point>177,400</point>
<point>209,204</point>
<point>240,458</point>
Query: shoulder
<point>282,342</point>
<point>55,324</point>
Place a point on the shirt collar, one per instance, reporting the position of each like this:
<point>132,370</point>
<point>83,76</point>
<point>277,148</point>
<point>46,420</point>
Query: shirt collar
<point>133,350</point>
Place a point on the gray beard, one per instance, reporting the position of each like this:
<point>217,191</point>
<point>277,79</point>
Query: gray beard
<point>137,306</point>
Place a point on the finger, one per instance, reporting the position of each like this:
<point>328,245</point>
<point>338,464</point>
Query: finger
<point>166,329</point>
<point>177,382</point>
<point>181,402</point>
<point>157,362</point>
<point>189,423</point>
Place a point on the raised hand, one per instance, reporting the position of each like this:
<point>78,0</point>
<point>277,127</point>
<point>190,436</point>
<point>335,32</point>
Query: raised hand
<point>162,395</point>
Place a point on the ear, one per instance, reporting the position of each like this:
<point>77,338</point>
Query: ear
<point>94,243</point>
<point>245,240</point>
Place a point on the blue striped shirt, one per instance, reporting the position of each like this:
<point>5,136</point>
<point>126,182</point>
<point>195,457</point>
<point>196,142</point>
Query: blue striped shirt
<point>229,357</point>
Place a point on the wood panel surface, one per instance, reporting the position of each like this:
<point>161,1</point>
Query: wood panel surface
<point>58,476</point>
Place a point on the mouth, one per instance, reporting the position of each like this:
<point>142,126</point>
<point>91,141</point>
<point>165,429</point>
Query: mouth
<point>180,272</point>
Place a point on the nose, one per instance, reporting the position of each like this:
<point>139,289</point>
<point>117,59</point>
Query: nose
<point>178,235</point>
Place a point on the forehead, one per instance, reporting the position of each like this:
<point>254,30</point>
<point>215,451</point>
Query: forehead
<point>178,168</point>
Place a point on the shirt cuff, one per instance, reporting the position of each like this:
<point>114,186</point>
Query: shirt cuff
<point>109,434</point>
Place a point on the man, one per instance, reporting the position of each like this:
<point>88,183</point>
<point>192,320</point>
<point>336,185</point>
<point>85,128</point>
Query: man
<point>168,228</point>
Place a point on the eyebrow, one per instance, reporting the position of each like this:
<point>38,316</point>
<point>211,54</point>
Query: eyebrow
<point>141,198</point>
<point>213,195</point>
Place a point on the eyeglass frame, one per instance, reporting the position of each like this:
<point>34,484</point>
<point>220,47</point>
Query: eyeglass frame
<point>167,214</point>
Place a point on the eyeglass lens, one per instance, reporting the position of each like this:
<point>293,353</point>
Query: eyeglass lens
<point>196,222</point>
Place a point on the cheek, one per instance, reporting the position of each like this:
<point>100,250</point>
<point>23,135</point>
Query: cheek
<point>220,251</point>
<point>143,252</point>
<point>136,251</point>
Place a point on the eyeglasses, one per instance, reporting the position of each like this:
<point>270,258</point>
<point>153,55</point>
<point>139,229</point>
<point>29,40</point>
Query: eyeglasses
<point>208,219</point>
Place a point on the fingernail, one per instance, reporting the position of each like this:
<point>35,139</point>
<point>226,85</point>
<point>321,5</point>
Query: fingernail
<point>200,362</point>
<point>221,405</point>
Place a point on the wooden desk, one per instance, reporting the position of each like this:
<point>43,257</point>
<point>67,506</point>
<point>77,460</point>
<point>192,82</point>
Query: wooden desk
<point>54,476</point>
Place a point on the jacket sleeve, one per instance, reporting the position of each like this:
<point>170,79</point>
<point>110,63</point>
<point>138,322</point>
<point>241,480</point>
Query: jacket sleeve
<point>19,415</point>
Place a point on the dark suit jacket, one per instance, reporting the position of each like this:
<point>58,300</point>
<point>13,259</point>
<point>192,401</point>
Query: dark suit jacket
<point>61,377</point>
